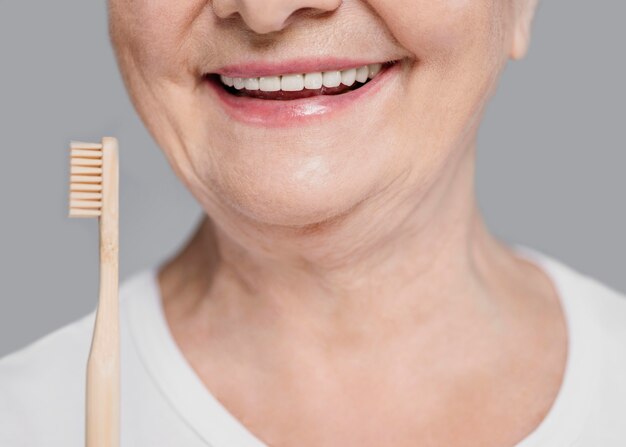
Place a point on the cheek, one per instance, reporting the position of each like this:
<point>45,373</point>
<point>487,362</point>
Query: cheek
<point>458,46</point>
<point>153,32</point>
<point>150,38</point>
<point>431,28</point>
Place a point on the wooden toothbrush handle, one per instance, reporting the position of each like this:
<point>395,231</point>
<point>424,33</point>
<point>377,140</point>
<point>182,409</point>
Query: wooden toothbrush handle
<point>103,365</point>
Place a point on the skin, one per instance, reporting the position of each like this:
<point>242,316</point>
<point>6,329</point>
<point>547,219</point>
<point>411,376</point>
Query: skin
<point>345,289</point>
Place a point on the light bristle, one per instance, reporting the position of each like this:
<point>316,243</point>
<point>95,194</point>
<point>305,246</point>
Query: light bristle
<point>80,195</point>
<point>84,213</point>
<point>86,153</point>
<point>85,187</point>
<point>79,170</point>
<point>85,204</point>
<point>86,161</point>
<point>85,146</point>
<point>85,179</point>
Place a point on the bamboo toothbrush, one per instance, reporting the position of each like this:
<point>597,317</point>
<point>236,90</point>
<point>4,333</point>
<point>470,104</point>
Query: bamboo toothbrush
<point>94,192</point>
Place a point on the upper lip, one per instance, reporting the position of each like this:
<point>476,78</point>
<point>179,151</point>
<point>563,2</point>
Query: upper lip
<point>303,65</point>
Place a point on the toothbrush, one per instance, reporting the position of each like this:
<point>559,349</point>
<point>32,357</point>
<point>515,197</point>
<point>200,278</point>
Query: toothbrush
<point>94,192</point>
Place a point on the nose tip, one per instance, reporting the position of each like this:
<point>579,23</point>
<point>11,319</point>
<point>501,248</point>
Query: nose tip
<point>264,24</point>
<point>266,16</point>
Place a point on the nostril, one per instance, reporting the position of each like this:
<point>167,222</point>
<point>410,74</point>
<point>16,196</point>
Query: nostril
<point>269,17</point>
<point>308,12</point>
<point>224,9</point>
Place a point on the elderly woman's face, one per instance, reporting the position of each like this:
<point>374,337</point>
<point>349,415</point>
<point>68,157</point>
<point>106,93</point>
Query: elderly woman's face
<point>295,162</point>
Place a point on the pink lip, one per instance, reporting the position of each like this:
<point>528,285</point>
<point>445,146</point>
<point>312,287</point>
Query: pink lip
<point>286,113</point>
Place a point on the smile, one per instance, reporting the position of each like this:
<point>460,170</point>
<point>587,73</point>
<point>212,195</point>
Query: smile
<point>260,95</point>
<point>306,84</point>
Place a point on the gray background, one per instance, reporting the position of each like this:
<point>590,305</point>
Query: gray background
<point>550,168</point>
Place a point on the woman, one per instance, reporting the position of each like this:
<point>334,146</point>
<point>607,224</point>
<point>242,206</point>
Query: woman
<point>343,289</point>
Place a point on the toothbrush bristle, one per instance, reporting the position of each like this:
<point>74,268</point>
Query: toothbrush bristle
<point>85,179</point>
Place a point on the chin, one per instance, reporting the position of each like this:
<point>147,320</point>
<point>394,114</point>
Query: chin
<point>290,201</point>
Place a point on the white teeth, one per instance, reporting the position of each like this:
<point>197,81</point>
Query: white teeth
<point>292,83</point>
<point>300,81</point>
<point>269,83</point>
<point>331,78</point>
<point>313,81</point>
<point>238,83</point>
<point>374,69</point>
<point>348,77</point>
<point>362,73</point>
<point>251,83</point>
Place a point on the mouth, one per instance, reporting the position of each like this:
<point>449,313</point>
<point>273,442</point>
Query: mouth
<point>278,95</point>
<point>292,86</point>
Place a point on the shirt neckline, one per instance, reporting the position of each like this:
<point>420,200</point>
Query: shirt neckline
<point>564,422</point>
<point>215,425</point>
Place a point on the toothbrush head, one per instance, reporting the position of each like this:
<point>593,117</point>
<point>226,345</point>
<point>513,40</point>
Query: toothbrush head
<point>86,176</point>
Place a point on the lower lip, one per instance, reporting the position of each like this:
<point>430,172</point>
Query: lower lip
<point>286,113</point>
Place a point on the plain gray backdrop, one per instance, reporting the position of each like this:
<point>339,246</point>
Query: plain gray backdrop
<point>550,173</point>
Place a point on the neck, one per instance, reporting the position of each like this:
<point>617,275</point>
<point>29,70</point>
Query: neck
<point>390,262</point>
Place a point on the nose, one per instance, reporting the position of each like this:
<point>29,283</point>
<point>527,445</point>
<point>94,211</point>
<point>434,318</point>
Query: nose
<point>266,16</point>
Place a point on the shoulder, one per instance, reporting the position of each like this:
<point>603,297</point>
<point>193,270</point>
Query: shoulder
<point>596,304</point>
<point>597,323</point>
<point>603,309</point>
<point>590,409</point>
<point>589,302</point>
<point>42,386</point>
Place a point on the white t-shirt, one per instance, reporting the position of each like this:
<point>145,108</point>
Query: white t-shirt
<point>164,403</point>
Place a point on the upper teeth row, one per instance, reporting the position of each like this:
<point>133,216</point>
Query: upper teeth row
<point>297,82</point>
